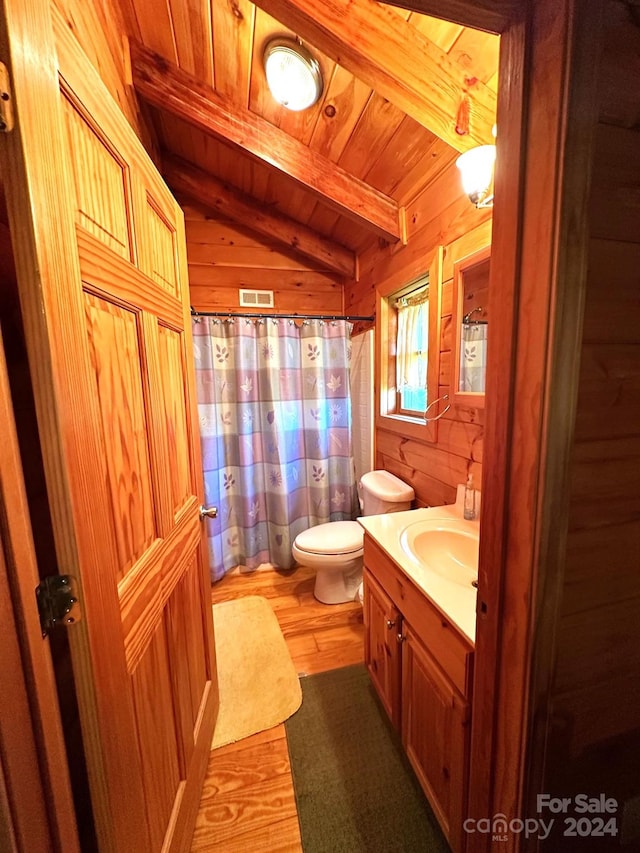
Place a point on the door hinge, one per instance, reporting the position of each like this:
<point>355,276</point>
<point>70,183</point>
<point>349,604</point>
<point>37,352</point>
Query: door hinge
<point>6,103</point>
<point>58,604</point>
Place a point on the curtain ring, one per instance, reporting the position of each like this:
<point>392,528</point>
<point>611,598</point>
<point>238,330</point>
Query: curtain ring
<point>443,412</point>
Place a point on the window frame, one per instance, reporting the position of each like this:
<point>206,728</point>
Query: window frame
<point>413,288</point>
<point>387,415</point>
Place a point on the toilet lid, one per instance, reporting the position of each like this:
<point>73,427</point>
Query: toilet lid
<point>335,537</point>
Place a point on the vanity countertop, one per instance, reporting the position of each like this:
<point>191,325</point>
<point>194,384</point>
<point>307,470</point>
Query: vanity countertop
<point>457,602</point>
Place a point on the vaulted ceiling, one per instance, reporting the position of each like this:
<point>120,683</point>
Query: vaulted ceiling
<point>331,180</point>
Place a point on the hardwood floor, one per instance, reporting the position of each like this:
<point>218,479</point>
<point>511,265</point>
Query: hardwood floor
<point>248,802</point>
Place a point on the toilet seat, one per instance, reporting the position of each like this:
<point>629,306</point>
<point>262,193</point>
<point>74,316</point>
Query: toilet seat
<point>334,538</point>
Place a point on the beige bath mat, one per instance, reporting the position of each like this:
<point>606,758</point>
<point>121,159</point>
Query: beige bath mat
<point>259,686</point>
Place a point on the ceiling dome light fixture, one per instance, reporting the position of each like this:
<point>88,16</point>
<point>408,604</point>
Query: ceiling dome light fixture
<point>293,74</point>
<point>476,171</point>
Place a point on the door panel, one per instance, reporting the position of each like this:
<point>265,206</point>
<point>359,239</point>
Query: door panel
<point>382,653</point>
<point>194,633</point>
<point>105,298</point>
<point>187,645</point>
<point>113,334</point>
<point>159,253</point>
<point>161,771</point>
<point>105,213</point>
<point>172,367</point>
<point>435,735</point>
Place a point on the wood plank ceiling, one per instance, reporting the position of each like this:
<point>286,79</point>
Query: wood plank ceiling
<point>333,179</point>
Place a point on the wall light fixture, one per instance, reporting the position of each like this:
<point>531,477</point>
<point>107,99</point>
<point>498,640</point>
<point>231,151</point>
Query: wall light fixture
<point>476,170</point>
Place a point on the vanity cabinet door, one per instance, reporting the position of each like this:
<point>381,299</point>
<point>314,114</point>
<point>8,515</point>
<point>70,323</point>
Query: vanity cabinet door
<point>435,734</point>
<point>382,650</point>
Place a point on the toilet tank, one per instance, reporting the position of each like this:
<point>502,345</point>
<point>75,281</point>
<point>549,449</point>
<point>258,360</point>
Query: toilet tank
<point>383,492</point>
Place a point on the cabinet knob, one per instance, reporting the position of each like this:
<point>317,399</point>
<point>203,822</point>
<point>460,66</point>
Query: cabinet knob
<point>391,623</point>
<point>401,638</point>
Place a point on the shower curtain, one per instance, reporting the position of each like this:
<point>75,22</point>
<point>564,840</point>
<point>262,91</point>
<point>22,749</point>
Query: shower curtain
<point>473,357</point>
<point>275,424</point>
<point>362,402</point>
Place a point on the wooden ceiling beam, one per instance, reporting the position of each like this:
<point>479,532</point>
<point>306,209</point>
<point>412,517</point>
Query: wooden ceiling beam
<point>170,89</point>
<point>215,194</point>
<point>490,15</point>
<point>399,62</point>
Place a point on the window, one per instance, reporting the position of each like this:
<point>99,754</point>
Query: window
<point>412,342</point>
<point>407,376</point>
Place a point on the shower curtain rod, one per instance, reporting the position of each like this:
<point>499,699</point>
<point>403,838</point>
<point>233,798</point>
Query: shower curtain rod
<point>348,317</point>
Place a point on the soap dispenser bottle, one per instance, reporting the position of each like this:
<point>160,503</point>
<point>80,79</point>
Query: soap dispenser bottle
<point>469,500</point>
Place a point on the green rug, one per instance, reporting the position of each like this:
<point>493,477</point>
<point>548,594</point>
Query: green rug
<point>355,790</point>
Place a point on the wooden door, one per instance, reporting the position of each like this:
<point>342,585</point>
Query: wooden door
<point>99,245</point>
<point>435,735</point>
<point>382,650</point>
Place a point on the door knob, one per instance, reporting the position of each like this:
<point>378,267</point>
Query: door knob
<point>208,512</point>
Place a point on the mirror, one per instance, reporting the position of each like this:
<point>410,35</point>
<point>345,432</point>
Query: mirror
<point>471,324</point>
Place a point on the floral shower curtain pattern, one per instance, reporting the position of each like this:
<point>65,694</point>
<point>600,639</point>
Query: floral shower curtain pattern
<point>473,357</point>
<point>275,424</point>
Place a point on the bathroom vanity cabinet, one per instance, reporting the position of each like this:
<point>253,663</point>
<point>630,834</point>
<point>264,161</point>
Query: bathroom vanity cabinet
<point>422,669</point>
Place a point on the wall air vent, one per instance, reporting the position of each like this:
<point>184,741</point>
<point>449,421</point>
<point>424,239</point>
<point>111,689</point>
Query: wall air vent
<point>256,298</point>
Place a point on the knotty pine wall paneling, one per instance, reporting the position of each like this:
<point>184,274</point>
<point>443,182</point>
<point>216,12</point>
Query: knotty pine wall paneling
<point>224,257</point>
<point>596,684</point>
<point>441,215</point>
<point>438,216</point>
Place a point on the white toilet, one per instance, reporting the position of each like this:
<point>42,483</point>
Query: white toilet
<point>334,549</point>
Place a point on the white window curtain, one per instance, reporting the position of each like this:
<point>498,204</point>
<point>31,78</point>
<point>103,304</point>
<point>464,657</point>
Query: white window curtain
<point>412,343</point>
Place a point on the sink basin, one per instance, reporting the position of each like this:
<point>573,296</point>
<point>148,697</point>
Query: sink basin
<point>448,547</point>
